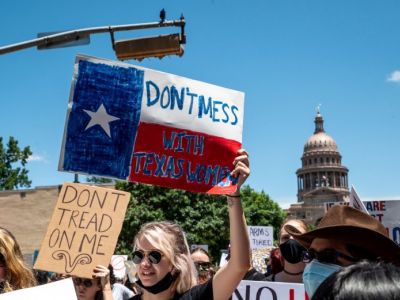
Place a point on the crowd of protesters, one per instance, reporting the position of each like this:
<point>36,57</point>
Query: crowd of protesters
<point>347,256</point>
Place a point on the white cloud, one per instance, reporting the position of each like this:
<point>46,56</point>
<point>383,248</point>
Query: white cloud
<point>394,77</point>
<point>37,157</point>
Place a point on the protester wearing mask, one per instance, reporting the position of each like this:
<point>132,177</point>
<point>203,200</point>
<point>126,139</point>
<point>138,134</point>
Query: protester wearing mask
<point>292,254</point>
<point>362,281</point>
<point>343,237</point>
<point>165,268</point>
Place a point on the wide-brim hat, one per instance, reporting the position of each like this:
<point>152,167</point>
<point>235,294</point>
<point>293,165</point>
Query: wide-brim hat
<point>352,227</point>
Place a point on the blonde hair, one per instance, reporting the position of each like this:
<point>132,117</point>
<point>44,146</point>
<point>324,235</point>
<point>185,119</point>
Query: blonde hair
<point>18,275</point>
<point>169,238</point>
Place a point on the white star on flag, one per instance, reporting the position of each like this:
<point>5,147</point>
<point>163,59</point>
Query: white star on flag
<point>102,118</point>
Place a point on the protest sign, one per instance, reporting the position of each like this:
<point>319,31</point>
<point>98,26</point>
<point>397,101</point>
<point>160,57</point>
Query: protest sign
<point>265,290</point>
<point>60,290</point>
<point>388,213</point>
<point>261,236</point>
<point>260,258</point>
<point>223,259</point>
<point>118,264</point>
<point>328,205</point>
<point>137,124</point>
<point>195,246</point>
<point>356,202</point>
<point>83,229</point>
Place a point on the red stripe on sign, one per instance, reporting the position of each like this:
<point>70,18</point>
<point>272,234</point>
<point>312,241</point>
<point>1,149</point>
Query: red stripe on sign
<point>184,159</point>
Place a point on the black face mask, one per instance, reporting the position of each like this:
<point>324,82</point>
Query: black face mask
<point>292,251</point>
<point>160,286</point>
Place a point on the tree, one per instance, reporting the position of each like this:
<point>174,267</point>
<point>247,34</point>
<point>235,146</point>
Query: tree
<point>203,217</point>
<point>261,210</point>
<point>13,173</point>
<point>99,180</point>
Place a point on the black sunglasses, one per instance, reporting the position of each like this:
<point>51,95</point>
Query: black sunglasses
<point>153,256</point>
<point>86,282</point>
<point>329,256</point>
<point>202,265</point>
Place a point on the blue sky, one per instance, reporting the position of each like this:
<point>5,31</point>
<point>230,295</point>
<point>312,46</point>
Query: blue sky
<point>287,56</point>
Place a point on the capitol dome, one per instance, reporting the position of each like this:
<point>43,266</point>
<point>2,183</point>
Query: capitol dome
<point>320,141</point>
<point>322,177</point>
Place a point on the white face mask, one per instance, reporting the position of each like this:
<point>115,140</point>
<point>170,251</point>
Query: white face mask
<point>315,273</point>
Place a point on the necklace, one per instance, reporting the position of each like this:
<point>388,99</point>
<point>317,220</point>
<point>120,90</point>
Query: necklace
<point>289,273</point>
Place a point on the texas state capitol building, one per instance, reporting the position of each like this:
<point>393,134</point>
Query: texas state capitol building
<point>321,178</point>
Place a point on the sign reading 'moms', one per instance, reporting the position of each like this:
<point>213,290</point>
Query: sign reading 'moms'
<point>142,125</point>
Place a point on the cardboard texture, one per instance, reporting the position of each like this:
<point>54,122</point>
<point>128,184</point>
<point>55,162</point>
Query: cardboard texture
<point>83,230</point>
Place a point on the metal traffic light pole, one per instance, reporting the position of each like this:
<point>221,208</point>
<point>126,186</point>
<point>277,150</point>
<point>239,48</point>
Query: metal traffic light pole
<point>62,38</point>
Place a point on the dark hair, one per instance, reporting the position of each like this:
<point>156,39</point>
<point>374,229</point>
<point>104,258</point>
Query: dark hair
<point>42,277</point>
<point>112,275</point>
<point>99,294</point>
<point>365,280</point>
<point>202,250</point>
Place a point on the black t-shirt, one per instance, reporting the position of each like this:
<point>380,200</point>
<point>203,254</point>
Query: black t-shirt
<point>254,275</point>
<point>199,292</point>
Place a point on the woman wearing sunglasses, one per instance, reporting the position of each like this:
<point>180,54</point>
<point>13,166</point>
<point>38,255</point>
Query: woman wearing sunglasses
<point>14,274</point>
<point>165,268</point>
<point>203,265</point>
<point>97,288</point>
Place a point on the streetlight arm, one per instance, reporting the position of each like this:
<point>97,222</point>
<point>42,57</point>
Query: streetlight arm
<point>73,35</point>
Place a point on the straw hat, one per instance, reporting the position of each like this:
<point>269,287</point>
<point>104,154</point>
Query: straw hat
<point>354,228</point>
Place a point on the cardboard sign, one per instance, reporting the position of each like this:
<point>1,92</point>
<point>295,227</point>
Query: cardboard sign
<point>83,229</point>
<point>60,290</point>
<point>388,213</point>
<point>261,236</point>
<point>137,124</point>
<point>265,290</point>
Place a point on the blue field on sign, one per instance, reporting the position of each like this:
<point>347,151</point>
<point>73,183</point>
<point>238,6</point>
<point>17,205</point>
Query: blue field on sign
<point>103,148</point>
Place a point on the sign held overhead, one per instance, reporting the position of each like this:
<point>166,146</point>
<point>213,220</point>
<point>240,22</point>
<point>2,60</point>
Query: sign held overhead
<point>137,124</point>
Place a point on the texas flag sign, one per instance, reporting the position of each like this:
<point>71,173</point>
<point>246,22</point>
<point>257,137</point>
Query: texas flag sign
<point>136,124</point>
